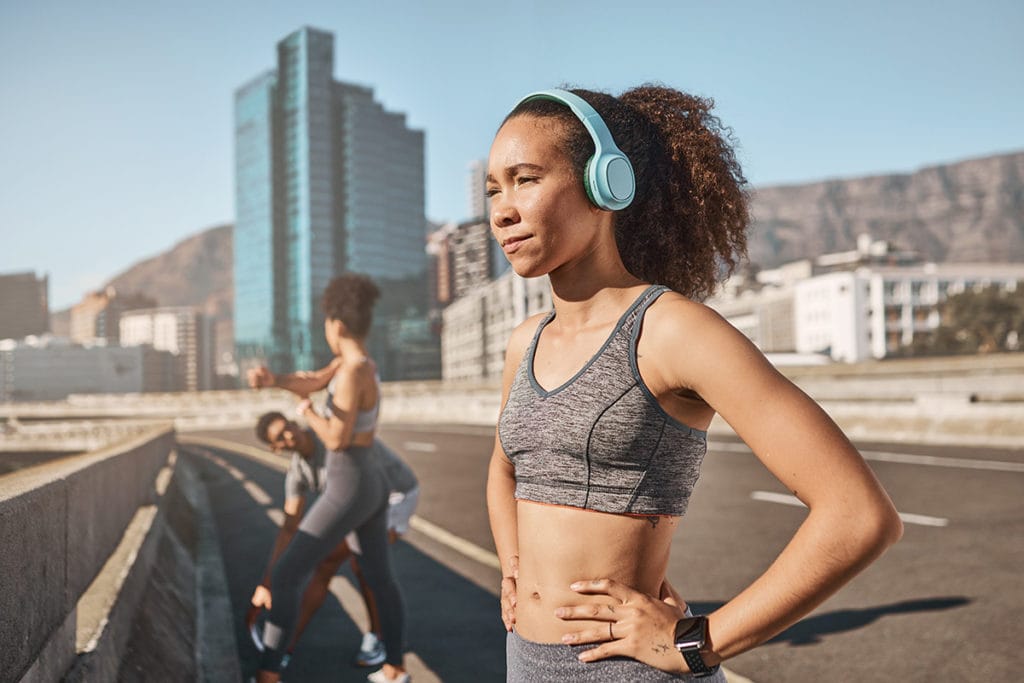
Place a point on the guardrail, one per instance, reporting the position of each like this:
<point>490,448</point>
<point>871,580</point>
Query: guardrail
<point>59,524</point>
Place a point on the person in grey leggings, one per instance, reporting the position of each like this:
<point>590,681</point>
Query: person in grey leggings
<point>356,494</point>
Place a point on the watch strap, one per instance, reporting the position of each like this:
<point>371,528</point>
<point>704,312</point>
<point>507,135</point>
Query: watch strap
<point>696,664</point>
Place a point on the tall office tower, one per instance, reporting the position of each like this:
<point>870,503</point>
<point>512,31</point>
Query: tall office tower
<point>24,308</point>
<point>480,212</point>
<point>476,190</point>
<point>327,181</point>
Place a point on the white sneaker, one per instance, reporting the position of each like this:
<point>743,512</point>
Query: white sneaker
<point>380,677</point>
<point>371,651</point>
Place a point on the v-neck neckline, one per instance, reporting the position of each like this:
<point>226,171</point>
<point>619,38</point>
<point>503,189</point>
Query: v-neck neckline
<point>551,316</point>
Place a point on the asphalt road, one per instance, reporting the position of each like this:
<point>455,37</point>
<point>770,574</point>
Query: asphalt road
<point>943,604</point>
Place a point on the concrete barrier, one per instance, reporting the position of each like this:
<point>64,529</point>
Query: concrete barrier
<point>59,524</point>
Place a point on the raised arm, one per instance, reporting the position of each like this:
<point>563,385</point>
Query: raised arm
<point>302,383</point>
<point>501,502</point>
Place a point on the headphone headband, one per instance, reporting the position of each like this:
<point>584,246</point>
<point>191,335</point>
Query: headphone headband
<point>608,177</point>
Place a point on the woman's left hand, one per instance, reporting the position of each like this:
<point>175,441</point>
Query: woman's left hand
<point>641,627</point>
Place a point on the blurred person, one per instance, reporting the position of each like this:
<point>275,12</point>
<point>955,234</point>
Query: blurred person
<point>306,477</point>
<point>635,207</point>
<point>355,496</point>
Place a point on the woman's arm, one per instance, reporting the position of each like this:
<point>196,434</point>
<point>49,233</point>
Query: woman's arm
<point>501,502</point>
<point>335,431</point>
<point>292,516</point>
<point>301,383</point>
<point>851,519</point>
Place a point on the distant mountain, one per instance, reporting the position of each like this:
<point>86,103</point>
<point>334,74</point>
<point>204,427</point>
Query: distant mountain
<point>967,211</point>
<point>194,272</point>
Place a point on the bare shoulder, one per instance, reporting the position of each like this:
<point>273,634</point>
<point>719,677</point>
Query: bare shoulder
<point>695,343</point>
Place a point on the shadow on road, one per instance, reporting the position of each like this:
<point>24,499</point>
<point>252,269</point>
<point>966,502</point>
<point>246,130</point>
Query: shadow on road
<point>452,624</point>
<point>811,630</point>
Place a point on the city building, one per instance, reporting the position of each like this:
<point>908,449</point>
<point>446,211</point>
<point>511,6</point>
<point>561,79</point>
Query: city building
<point>24,308</point>
<point>98,314</point>
<point>326,181</point>
<point>867,303</point>
<point>876,311</point>
<point>477,326</point>
<point>182,331</point>
<point>476,190</point>
<point>51,368</point>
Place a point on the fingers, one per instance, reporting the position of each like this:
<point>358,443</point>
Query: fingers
<point>613,648</point>
<point>609,587</point>
<point>597,634</point>
<point>590,612</point>
<point>508,602</point>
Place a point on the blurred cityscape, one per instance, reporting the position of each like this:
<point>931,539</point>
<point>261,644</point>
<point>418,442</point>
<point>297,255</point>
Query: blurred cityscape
<point>327,180</point>
<point>139,505</point>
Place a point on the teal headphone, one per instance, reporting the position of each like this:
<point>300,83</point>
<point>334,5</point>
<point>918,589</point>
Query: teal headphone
<point>608,176</point>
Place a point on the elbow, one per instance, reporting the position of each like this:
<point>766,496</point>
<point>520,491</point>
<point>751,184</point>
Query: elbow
<point>880,530</point>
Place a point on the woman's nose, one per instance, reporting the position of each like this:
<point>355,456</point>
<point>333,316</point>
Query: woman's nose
<point>503,214</point>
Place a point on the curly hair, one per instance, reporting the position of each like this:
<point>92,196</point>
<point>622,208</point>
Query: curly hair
<point>350,298</point>
<point>263,424</point>
<point>687,225</point>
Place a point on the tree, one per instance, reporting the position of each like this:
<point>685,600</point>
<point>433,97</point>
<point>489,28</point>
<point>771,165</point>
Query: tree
<point>985,321</point>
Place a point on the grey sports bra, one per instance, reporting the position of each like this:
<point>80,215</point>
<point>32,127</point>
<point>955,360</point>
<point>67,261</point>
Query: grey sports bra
<point>366,420</point>
<point>600,441</point>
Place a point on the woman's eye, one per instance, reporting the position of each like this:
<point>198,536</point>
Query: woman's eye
<point>525,179</point>
<point>491,191</point>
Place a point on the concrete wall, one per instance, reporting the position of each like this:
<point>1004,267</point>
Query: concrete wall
<point>958,401</point>
<point>59,523</point>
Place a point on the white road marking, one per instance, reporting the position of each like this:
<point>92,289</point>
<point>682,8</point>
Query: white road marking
<point>786,499</point>
<point>460,545</point>
<point>422,446</point>
<point>905,458</point>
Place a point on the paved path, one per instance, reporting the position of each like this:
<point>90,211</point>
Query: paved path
<point>943,604</point>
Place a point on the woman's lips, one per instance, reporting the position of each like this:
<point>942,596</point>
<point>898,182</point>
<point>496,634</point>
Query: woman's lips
<point>512,244</point>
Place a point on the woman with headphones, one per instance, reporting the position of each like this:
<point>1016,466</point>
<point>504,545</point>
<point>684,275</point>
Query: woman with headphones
<point>635,207</point>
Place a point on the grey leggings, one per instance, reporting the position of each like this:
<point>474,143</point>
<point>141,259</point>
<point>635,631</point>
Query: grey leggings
<point>530,662</point>
<point>356,497</point>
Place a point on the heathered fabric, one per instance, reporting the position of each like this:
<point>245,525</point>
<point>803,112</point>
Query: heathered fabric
<point>600,441</point>
<point>366,420</point>
<point>530,662</point>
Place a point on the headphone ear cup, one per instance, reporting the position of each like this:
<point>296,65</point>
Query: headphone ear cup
<point>592,189</point>
<point>610,181</point>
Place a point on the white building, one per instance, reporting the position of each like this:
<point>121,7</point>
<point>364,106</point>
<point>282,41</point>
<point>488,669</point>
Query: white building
<point>50,368</point>
<point>182,331</point>
<point>855,305</point>
<point>476,327</point>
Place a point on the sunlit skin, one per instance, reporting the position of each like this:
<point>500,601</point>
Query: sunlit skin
<point>691,360</point>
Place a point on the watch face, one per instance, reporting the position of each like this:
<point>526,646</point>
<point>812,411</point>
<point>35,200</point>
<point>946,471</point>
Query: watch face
<point>690,633</point>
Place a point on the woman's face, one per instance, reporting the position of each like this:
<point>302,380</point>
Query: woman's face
<point>540,214</point>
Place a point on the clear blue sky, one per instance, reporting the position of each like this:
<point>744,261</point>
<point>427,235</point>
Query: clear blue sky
<point>116,116</point>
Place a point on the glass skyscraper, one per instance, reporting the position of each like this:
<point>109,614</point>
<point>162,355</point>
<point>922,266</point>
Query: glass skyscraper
<point>327,181</point>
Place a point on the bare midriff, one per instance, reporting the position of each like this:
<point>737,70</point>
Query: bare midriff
<point>561,545</point>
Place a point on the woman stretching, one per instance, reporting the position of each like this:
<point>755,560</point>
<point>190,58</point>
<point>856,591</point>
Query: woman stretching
<point>356,494</point>
<point>634,206</point>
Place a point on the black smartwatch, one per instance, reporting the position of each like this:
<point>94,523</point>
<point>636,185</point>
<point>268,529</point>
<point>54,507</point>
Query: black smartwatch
<point>691,638</point>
